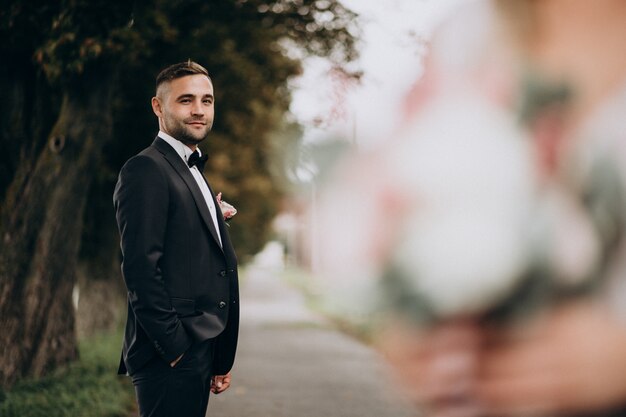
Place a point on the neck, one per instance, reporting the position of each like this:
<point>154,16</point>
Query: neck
<point>192,146</point>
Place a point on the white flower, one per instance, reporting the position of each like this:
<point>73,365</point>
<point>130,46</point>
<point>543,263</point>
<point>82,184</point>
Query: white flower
<point>447,206</point>
<point>228,211</point>
<point>565,238</point>
<point>469,168</point>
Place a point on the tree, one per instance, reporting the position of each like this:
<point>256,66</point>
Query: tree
<point>79,75</point>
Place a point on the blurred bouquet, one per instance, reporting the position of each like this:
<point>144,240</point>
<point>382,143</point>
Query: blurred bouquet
<point>462,215</point>
<point>482,204</point>
<point>463,242</point>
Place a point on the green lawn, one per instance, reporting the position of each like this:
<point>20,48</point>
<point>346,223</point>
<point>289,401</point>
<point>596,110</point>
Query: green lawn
<point>87,388</point>
<point>307,283</point>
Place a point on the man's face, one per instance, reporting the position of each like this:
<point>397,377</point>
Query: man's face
<point>185,107</point>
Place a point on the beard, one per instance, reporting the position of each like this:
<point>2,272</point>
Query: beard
<point>180,131</point>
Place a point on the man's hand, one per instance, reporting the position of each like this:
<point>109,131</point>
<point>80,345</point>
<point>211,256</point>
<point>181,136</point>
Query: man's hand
<point>220,383</point>
<point>175,361</point>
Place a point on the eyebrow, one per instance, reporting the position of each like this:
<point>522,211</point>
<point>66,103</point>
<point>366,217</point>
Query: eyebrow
<point>182,96</point>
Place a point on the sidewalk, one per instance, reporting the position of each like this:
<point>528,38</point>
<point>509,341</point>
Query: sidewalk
<point>292,363</point>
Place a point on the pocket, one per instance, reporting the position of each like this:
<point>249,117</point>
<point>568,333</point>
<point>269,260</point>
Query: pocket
<point>184,307</point>
<point>189,361</point>
<point>183,361</point>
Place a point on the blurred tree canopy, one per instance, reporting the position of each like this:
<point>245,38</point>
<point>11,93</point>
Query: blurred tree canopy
<point>77,78</point>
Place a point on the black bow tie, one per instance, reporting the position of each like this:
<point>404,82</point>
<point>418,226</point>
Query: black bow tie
<point>197,160</point>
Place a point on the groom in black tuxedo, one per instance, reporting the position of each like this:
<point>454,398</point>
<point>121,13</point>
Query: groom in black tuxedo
<point>178,263</point>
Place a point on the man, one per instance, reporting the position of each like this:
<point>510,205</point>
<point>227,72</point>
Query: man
<point>178,263</point>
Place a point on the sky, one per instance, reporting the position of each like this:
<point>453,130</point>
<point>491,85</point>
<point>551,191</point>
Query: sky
<point>390,58</point>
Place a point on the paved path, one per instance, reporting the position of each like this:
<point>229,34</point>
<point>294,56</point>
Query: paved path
<point>291,363</point>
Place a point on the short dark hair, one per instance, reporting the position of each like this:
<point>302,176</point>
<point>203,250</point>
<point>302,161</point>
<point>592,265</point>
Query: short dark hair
<point>182,69</point>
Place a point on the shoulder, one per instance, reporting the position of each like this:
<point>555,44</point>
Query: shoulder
<point>142,175</point>
<point>144,170</point>
<point>147,161</point>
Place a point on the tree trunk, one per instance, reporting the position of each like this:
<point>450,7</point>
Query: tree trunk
<point>40,231</point>
<point>27,114</point>
<point>100,291</point>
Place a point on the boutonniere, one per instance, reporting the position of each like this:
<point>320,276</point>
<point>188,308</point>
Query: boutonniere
<point>228,211</point>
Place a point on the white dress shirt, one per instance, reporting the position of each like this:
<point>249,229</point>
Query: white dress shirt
<point>184,152</point>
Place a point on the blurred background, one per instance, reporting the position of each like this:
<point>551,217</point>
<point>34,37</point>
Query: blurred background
<point>442,181</point>
<point>76,79</point>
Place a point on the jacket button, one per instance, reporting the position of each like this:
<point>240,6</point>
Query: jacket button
<point>222,304</point>
<point>223,273</point>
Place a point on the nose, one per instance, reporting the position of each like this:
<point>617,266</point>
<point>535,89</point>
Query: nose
<point>197,109</point>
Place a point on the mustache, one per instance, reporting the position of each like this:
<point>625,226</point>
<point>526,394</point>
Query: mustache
<point>195,119</point>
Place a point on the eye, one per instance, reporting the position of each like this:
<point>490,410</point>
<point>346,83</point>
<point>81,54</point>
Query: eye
<point>207,101</point>
<point>185,101</point>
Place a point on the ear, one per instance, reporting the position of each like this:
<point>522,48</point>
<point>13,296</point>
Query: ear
<point>156,107</point>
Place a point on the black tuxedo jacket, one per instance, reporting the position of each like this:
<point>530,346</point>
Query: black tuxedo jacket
<point>182,286</point>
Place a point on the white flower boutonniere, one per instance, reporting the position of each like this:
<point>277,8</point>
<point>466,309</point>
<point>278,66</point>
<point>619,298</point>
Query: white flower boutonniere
<point>228,211</point>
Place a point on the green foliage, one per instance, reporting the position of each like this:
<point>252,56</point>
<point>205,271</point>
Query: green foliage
<point>247,47</point>
<point>81,72</point>
<point>251,48</point>
<point>87,388</point>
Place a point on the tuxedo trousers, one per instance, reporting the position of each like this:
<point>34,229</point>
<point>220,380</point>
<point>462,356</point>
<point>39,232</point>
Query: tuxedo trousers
<point>182,390</point>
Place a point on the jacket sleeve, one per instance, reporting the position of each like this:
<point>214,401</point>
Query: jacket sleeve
<point>141,204</point>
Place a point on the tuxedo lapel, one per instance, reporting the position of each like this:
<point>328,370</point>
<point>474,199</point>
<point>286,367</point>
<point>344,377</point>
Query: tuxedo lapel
<point>227,246</point>
<point>183,170</point>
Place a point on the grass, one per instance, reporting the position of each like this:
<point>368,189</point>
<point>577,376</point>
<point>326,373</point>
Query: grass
<point>87,388</point>
<point>362,330</point>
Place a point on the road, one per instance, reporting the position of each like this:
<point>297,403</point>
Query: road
<point>291,362</point>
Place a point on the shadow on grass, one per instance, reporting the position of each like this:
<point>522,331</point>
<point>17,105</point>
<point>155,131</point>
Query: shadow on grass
<point>88,387</point>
